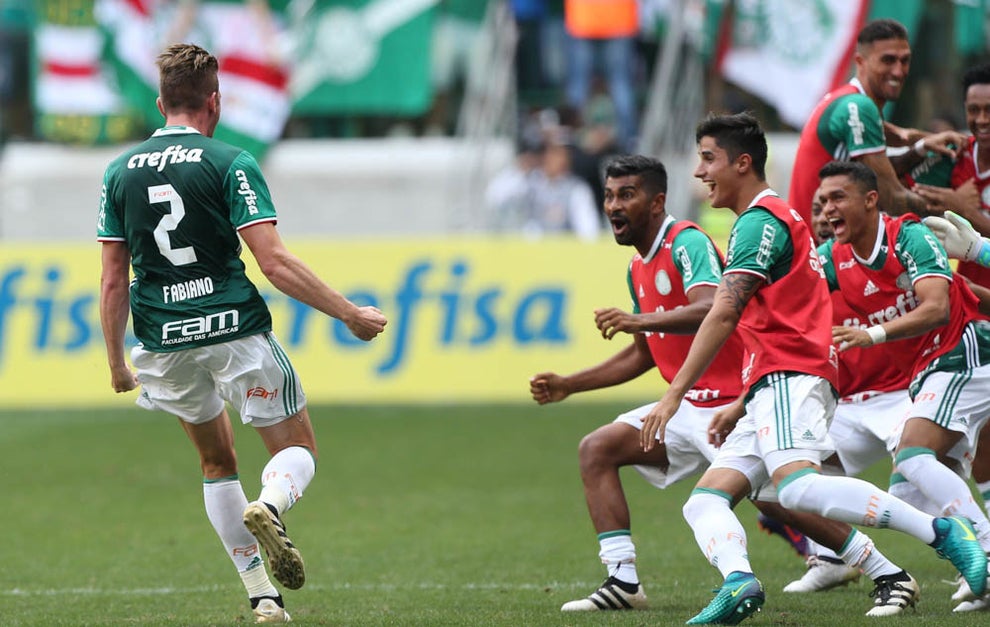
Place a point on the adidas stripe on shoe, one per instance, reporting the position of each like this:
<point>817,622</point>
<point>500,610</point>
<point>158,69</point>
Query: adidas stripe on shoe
<point>611,595</point>
<point>284,559</point>
<point>893,594</point>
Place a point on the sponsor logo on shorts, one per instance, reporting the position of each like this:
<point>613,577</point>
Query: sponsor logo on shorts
<point>260,392</point>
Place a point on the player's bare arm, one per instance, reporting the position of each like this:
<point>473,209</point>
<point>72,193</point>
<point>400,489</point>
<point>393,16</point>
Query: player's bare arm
<point>114,311</point>
<point>680,321</point>
<point>895,199</point>
<point>626,365</point>
<point>932,312</point>
<point>731,297</point>
<point>947,143</point>
<point>294,278</point>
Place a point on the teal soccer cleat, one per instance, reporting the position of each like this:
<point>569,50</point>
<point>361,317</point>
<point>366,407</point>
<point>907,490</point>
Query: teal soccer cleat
<point>740,597</point>
<point>955,540</point>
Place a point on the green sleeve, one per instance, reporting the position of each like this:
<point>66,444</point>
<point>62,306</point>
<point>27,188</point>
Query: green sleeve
<point>632,290</point>
<point>247,192</point>
<point>696,259</point>
<point>855,121</point>
<point>108,223</point>
<point>921,253</point>
<point>759,244</point>
<point>825,255</point>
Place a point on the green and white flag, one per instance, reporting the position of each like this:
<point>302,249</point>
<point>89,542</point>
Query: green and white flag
<point>363,56</point>
<point>790,53</point>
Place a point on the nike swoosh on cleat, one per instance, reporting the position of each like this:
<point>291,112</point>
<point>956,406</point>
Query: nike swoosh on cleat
<point>736,592</point>
<point>969,534</point>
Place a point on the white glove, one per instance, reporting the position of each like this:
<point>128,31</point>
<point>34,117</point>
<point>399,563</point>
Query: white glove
<point>958,236</point>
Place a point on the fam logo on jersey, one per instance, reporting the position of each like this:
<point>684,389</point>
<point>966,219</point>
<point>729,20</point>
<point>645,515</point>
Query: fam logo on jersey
<point>797,31</point>
<point>985,198</point>
<point>662,281</point>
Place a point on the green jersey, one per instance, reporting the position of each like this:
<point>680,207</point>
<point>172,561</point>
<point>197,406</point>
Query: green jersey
<point>178,200</point>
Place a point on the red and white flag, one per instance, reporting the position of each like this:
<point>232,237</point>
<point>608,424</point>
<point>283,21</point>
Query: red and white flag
<point>790,53</point>
<point>70,80</point>
<point>245,40</point>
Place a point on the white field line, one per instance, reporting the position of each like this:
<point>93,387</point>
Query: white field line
<point>169,591</point>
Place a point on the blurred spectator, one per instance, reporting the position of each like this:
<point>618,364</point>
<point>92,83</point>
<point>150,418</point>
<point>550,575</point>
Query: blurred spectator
<point>604,31</point>
<point>562,201</point>
<point>539,59</point>
<point>509,195</point>
<point>539,193</point>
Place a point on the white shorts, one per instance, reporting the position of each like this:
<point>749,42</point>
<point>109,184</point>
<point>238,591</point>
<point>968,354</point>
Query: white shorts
<point>686,440</point>
<point>785,422</point>
<point>251,373</point>
<point>957,401</point>
<point>867,427</point>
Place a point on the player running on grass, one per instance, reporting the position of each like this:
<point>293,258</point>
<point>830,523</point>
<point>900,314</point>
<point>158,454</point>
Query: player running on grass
<point>773,291</point>
<point>172,209</point>
<point>672,279</point>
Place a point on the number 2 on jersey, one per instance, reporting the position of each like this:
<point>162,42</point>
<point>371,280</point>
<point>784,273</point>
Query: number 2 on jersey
<point>158,194</point>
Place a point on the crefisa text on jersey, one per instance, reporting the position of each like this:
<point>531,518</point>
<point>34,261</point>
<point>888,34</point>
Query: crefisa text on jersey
<point>187,289</point>
<point>172,154</point>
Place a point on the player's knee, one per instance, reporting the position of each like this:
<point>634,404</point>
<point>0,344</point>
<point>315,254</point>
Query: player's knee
<point>791,491</point>
<point>595,450</point>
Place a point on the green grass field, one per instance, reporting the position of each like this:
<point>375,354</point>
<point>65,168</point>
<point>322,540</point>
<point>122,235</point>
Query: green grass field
<point>438,515</point>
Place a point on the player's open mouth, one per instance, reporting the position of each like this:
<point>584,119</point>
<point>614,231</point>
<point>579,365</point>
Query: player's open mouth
<point>619,225</point>
<point>838,226</point>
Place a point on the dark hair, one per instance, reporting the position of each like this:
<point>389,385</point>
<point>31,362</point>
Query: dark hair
<point>976,75</point>
<point>187,77</point>
<point>859,173</point>
<point>880,30</point>
<point>650,170</point>
<point>737,134</point>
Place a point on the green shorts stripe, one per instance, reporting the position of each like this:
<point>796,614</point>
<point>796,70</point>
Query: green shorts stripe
<point>946,408</point>
<point>782,411</point>
<point>289,399</point>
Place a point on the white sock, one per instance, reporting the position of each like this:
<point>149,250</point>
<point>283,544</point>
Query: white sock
<point>286,476</point>
<point>618,553</point>
<point>853,501</point>
<point>910,494</point>
<point>943,487</point>
<point>225,503</point>
<point>717,531</point>
<point>859,552</point>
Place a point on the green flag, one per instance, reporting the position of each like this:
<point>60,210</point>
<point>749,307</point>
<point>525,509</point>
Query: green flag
<point>363,56</point>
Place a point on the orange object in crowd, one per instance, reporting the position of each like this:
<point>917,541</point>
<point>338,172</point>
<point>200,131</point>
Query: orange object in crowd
<point>601,19</point>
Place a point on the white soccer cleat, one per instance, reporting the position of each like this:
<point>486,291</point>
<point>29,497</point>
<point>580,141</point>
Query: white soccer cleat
<point>823,573</point>
<point>284,559</point>
<point>610,596</point>
<point>976,605</point>
<point>892,597</point>
<point>965,593</point>
<point>268,611</point>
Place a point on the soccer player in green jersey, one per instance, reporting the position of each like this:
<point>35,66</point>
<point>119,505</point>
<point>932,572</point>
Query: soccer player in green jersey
<point>174,210</point>
<point>774,294</point>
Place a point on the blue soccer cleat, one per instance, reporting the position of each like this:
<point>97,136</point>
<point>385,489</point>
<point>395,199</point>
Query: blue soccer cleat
<point>740,597</point>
